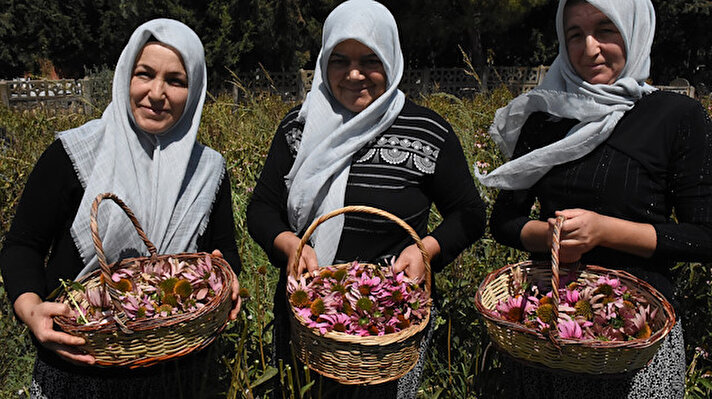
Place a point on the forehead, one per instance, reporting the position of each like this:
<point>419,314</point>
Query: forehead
<point>156,53</point>
<point>583,14</point>
<point>352,47</point>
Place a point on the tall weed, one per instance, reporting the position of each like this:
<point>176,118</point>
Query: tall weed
<point>461,362</point>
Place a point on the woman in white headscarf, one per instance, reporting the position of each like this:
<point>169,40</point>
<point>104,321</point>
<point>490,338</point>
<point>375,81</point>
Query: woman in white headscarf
<point>598,145</point>
<point>143,149</point>
<point>357,140</point>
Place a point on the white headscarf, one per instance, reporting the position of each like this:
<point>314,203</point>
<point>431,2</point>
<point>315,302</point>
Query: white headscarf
<point>332,134</point>
<point>169,180</point>
<point>564,94</point>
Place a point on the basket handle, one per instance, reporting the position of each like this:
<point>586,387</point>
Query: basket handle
<point>105,269</point>
<point>292,268</point>
<point>555,246</point>
<point>555,271</point>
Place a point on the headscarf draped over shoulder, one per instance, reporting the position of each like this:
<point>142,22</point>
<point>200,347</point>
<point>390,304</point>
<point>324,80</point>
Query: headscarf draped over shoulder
<point>332,134</point>
<point>169,180</point>
<point>597,107</point>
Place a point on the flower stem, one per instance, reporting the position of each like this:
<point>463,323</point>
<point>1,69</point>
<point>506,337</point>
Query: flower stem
<point>82,318</point>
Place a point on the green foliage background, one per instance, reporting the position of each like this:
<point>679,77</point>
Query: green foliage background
<point>461,363</point>
<point>285,35</point>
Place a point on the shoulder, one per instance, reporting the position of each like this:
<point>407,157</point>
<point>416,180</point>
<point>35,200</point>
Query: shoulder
<point>667,102</point>
<point>290,119</point>
<point>56,156</point>
<point>422,123</point>
<point>290,128</point>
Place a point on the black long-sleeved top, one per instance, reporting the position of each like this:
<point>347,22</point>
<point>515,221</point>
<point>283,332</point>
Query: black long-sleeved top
<point>415,162</point>
<point>42,224</point>
<point>657,161</point>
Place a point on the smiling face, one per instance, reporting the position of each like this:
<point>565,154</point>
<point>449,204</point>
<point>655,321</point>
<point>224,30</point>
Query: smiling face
<point>356,75</point>
<point>159,88</point>
<point>596,48</point>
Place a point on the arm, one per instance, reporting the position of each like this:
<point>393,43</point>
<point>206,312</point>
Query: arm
<point>690,190</point>
<point>267,220</point>
<point>219,238</point>
<point>46,207</point>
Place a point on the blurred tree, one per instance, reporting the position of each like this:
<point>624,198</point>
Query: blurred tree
<point>284,35</point>
<point>431,31</point>
<point>683,42</point>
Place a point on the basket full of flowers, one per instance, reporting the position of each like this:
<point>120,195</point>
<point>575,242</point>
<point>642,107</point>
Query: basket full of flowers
<point>143,310</point>
<point>358,323</point>
<point>588,319</point>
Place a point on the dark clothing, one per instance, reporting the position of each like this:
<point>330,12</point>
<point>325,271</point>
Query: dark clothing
<point>657,163</point>
<point>657,160</point>
<point>42,229</point>
<point>415,162</point>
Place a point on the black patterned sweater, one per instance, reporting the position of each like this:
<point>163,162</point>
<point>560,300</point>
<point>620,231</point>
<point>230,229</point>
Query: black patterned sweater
<point>414,163</point>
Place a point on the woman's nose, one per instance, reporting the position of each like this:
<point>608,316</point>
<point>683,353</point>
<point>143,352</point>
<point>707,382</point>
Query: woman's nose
<point>355,73</point>
<point>157,89</point>
<point>592,46</point>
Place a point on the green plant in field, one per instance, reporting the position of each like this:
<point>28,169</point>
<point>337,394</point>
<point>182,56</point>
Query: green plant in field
<point>461,362</point>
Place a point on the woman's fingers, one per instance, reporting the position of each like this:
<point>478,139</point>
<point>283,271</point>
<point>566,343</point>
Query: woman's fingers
<point>73,355</point>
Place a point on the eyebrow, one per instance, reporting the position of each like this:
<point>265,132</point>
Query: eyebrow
<point>342,56</point>
<point>605,21</point>
<point>169,73</point>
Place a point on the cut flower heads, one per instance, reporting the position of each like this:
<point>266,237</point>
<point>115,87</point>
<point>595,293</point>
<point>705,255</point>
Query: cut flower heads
<point>601,309</point>
<point>149,289</point>
<point>363,300</point>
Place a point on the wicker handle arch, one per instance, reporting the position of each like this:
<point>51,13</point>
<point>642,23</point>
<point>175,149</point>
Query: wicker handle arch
<point>555,271</point>
<point>98,246</point>
<point>292,268</point>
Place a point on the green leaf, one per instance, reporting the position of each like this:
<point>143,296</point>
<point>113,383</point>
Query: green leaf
<point>76,285</point>
<point>707,383</point>
<point>268,374</point>
<point>305,388</point>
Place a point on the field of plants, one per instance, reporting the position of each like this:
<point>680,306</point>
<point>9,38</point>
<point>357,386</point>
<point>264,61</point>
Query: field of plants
<point>461,363</point>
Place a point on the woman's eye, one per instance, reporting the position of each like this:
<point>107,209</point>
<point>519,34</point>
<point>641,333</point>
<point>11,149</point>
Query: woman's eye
<point>178,82</point>
<point>373,63</point>
<point>142,74</point>
<point>338,62</point>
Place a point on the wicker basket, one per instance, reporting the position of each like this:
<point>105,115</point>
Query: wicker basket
<point>145,342</point>
<point>553,352</point>
<point>351,359</point>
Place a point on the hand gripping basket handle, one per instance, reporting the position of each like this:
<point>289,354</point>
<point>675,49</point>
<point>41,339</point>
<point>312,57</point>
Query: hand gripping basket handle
<point>373,211</point>
<point>105,270</point>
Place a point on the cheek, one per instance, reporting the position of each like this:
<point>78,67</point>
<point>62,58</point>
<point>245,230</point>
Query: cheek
<point>179,99</point>
<point>379,80</point>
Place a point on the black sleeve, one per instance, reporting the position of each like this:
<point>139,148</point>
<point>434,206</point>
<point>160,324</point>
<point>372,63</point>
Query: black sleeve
<point>45,208</point>
<point>512,209</point>
<point>690,189</point>
<point>267,210</point>
<point>220,232</point>
<point>456,197</point>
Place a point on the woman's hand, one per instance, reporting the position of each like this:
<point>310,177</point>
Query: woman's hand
<point>234,290</point>
<point>411,260</point>
<point>584,230</point>
<point>287,242</point>
<point>581,232</point>
<point>38,317</point>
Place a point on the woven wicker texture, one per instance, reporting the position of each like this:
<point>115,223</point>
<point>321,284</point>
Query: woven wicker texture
<point>145,342</point>
<point>579,356</point>
<point>351,359</point>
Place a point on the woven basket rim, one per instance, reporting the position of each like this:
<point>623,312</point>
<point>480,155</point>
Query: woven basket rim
<point>374,340</point>
<point>670,318</point>
<point>147,324</point>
